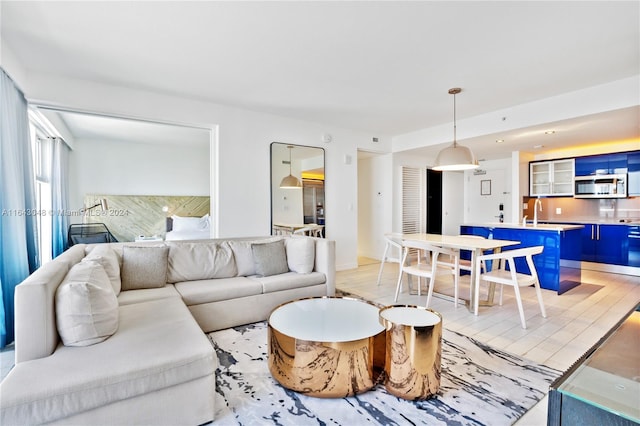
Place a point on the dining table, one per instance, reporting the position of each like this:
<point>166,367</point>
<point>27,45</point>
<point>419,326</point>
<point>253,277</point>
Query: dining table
<point>476,245</point>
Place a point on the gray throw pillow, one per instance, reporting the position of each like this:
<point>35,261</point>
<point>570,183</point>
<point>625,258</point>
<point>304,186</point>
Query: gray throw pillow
<point>144,267</point>
<point>270,258</point>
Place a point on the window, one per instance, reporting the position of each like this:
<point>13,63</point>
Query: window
<point>41,149</point>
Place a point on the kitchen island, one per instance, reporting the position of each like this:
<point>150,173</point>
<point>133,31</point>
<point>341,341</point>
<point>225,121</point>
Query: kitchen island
<point>558,266</point>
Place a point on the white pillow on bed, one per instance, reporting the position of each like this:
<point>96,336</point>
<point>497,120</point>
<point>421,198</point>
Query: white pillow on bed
<point>190,223</point>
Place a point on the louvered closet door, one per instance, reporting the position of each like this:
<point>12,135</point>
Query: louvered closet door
<point>412,200</point>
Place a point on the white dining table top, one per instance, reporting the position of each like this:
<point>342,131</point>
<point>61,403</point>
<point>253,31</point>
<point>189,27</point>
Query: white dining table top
<point>289,225</point>
<point>459,241</point>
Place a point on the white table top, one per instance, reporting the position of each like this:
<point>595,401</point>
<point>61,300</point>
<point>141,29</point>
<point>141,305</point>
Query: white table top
<point>293,226</point>
<point>327,319</point>
<point>459,241</point>
<point>412,316</point>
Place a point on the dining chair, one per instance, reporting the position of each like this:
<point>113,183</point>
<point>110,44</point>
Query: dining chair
<point>316,231</point>
<point>503,272</point>
<point>392,240</point>
<point>465,265</point>
<point>430,269</point>
<point>305,230</point>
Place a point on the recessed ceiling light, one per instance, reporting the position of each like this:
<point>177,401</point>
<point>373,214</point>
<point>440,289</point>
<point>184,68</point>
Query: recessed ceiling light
<point>549,132</point>
<point>499,140</point>
<point>538,146</point>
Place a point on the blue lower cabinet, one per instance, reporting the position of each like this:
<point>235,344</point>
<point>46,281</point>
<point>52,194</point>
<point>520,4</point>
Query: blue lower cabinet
<point>606,244</point>
<point>633,246</point>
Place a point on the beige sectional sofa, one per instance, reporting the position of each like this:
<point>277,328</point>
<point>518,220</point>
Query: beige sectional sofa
<point>113,333</point>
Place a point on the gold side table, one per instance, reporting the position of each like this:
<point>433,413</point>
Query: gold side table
<point>413,351</point>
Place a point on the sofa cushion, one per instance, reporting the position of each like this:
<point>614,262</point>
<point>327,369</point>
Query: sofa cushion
<point>244,256</point>
<point>301,254</point>
<point>146,294</point>
<point>206,291</point>
<point>158,345</point>
<point>86,306</point>
<point>189,261</point>
<point>270,258</point>
<point>105,256</point>
<point>144,267</point>
<point>289,281</point>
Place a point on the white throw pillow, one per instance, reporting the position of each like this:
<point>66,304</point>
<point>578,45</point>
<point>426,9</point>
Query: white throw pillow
<point>86,306</point>
<point>105,256</point>
<point>301,253</point>
<point>189,223</point>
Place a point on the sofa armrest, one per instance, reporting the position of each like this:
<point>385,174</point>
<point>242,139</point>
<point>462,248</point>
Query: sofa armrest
<point>36,334</point>
<point>325,262</point>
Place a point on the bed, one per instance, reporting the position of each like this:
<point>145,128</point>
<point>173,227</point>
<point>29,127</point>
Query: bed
<point>188,228</point>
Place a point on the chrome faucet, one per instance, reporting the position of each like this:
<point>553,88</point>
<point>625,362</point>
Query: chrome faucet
<point>524,220</point>
<point>535,211</point>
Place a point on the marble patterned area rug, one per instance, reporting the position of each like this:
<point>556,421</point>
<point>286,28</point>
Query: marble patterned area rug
<point>479,386</point>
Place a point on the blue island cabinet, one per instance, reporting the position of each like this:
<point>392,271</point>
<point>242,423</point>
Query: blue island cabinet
<point>558,265</point>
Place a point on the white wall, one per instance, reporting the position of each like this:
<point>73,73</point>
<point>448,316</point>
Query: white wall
<point>240,157</point>
<point>125,168</point>
<point>485,208</point>
<point>375,194</point>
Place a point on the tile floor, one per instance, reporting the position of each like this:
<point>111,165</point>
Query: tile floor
<point>575,320</point>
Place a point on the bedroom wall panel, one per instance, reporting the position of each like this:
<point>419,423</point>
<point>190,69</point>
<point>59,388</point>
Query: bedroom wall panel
<point>130,216</point>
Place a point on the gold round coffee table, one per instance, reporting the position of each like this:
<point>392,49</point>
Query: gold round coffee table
<point>326,346</point>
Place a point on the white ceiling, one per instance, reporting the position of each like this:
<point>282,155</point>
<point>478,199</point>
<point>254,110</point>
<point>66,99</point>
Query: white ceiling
<point>382,67</point>
<point>113,129</point>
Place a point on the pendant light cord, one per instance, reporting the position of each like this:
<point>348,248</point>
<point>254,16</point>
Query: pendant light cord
<point>454,120</point>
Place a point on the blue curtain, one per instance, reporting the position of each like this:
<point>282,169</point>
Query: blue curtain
<point>59,195</point>
<point>18,233</point>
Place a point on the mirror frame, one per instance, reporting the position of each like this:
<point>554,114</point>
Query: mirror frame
<point>271,177</point>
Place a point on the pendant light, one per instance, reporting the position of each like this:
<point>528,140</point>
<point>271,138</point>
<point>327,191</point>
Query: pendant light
<point>290,182</point>
<point>455,157</point>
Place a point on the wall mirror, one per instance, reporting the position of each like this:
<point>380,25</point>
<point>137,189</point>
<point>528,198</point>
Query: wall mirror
<point>297,189</point>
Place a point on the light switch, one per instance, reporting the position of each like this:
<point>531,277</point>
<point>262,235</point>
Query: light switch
<point>558,210</point>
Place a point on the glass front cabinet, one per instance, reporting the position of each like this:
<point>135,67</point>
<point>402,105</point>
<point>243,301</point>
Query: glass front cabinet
<point>551,178</point>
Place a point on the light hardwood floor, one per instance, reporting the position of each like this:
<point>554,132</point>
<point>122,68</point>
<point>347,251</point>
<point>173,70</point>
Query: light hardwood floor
<point>575,320</point>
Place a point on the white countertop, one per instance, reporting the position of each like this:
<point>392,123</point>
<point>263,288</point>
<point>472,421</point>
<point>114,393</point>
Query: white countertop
<point>529,226</point>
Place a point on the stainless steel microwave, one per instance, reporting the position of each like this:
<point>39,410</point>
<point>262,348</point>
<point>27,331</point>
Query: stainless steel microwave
<point>600,186</point>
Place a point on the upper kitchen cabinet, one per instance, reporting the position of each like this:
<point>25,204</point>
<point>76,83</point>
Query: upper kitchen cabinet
<point>551,178</point>
<point>605,164</point>
<point>633,163</point>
